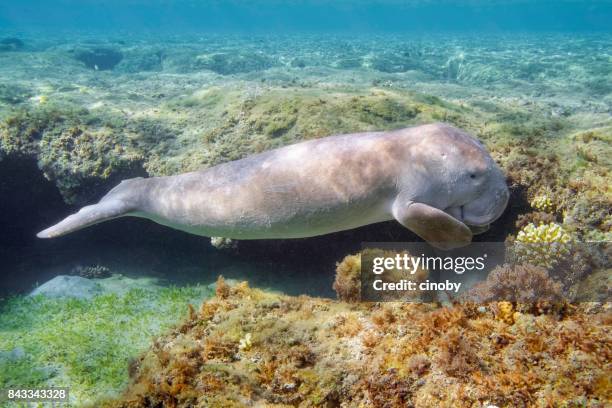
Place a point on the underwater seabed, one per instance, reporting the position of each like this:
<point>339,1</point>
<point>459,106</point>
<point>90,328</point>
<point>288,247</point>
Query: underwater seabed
<point>78,114</point>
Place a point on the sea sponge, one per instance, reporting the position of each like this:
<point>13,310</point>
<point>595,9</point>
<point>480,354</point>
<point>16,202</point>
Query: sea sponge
<point>526,284</point>
<point>543,245</point>
<point>347,283</point>
<point>504,311</point>
<point>543,203</point>
<point>535,217</point>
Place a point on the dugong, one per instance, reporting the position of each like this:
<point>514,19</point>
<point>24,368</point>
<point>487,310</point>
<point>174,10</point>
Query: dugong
<point>436,180</point>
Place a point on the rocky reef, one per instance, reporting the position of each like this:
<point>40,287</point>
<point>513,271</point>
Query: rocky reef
<point>246,347</point>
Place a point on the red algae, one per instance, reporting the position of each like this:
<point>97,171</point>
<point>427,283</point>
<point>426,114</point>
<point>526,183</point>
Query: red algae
<point>309,352</point>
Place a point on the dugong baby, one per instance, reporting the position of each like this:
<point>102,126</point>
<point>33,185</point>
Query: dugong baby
<point>436,180</point>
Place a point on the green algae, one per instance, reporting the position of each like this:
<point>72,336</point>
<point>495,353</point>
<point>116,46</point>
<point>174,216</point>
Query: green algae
<point>14,94</point>
<point>86,345</point>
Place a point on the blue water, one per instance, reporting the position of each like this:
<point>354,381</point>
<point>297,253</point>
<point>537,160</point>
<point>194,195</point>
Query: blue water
<point>312,16</point>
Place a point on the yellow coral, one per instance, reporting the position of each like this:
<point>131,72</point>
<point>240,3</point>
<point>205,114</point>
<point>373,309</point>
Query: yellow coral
<point>543,203</point>
<point>245,343</point>
<point>505,312</point>
<point>544,245</point>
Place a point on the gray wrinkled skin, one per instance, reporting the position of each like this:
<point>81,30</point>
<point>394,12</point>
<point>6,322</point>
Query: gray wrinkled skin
<point>434,179</point>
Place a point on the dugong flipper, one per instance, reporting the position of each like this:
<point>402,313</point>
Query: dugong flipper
<point>432,224</point>
<point>436,180</point>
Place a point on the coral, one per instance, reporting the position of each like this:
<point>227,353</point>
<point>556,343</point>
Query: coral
<point>223,243</point>
<point>381,110</point>
<point>278,119</point>
<point>347,283</point>
<point>91,272</point>
<point>76,148</point>
<point>222,290</point>
<point>79,155</point>
<point>543,203</point>
<point>317,352</point>
<point>456,354</point>
<point>545,245</point>
<point>245,342</point>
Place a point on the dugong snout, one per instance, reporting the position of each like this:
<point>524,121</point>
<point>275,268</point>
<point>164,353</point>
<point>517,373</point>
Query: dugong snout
<point>489,206</point>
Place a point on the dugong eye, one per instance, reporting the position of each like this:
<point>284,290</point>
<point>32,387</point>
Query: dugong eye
<point>472,176</point>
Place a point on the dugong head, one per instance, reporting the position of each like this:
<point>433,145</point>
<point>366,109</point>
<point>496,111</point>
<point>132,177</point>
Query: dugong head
<point>464,179</point>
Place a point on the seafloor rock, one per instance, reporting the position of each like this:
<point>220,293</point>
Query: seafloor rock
<point>13,94</point>
<point>68,286</point>
<point>228,63</point>
<point>246,347</point>
<point>83,152</point>
<point>140,59</point>
<point>11,44</point>
<point>99,58</point>
<point>348,63</point>
<point>11,355</point>
<point>391,63</point>
<point>298,63</point>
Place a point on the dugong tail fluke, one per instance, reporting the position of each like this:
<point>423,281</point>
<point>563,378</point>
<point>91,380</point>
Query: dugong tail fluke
<point>89,215</point>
